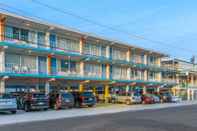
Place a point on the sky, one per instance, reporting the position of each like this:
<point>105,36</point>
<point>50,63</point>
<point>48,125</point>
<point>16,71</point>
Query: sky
<point>168,26</point>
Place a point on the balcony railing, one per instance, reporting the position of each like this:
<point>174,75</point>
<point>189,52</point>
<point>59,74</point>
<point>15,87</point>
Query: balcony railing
<point>18,68</point>
<point>92,74</point>
<point>168,80</point>
<point>36,44</point>
<point>137,78</point>
<point>39,45</point>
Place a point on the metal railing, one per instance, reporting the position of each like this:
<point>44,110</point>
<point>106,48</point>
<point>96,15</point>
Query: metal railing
<point>20,68</point>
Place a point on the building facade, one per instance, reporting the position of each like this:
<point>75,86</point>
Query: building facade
<point>185,76</point>
<point>42,56</point>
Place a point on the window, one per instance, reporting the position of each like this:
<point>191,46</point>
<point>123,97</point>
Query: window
<point>16,33</point>
<point>8,32</point>
<point>41,38</point>
<point>119,54</point>
<point>119,73</point>
<point>92,70</point>
<point>52,40</point>
<point>32,37</point>
<point>94,49</point>
<point>68,66</point>
<point>68,44</point>
<point>24,35</point>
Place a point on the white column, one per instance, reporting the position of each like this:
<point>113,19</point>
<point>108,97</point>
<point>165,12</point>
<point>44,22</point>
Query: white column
<point>145,59</point>
<point>188,94</point>
<point>47,88</point>
<point>2,61</point>
<point>108,51</point>
<point>2,86</point>
<point>47,42</point>
<point>82,68</point>
<point>129,73</point>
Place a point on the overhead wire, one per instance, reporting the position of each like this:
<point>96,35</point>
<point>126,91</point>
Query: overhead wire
<point>111,28</point>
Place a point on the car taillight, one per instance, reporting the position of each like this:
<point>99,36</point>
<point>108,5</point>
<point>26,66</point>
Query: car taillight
<point>82,98</point>
<point>59,99</point>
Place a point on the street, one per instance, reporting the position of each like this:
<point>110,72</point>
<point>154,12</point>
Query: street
<point>168,119</point>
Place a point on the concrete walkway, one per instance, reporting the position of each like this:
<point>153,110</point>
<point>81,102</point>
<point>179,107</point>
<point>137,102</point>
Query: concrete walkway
<point>22,116</point>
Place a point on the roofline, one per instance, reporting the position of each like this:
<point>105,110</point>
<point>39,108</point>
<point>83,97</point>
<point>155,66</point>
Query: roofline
<point>180,60</point>
<point>58,26</point>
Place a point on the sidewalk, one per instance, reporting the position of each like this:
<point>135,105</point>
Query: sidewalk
<point>101,109</point>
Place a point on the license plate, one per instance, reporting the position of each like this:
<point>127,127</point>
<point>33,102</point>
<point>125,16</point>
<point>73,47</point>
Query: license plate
<point>90,99</point>
<point>40,103</point>
<point>67,100</point>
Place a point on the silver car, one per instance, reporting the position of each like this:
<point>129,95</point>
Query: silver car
<point>8,103</point>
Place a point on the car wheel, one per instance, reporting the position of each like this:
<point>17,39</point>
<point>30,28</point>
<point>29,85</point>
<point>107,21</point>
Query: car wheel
<point>91,106</point>
<point>113,101</point>
<point>26,108</point>
<point>45,109</point>
<point>13,112</point>
<point>56,107</point>
<point>128,102</point>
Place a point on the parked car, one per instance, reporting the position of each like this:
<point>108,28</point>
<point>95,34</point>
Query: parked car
<point>147,99</point>
<point>127,98</point>
<point>176,99</point>
<point>84,99</point>
<point>60,100</point>
<point>34,101</point>
<point>8,103</point>
<point>165,97</point>
<point>156,98</point>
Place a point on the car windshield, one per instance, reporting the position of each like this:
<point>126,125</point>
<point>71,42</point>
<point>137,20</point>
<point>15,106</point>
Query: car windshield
<point>66,95</point>
<point>6,96</point>
<point>38,95</point>
<point>136,94</point>
<point>88,94</point>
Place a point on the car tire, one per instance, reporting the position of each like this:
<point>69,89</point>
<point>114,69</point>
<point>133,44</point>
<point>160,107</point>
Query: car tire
<point>90,105</point>
<point>55,107</point>
<point>113,101</point>
<point>26,108</point>
<point>45,109</point>
<point>128,102</point>
<point>13,112</point>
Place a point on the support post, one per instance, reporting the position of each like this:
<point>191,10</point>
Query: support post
<point>106,95</point>
<point>81,87</point>
<point>47,88</point>
<point>82,68</point>
<point>144,90</point>
<point>2,60</point>
<point>81,44</point>
<point>108,71</point>
<point>2,27</point>
<point>49,65</point>
<point>2,86</point>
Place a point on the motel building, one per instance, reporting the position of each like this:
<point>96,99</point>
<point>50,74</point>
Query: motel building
<point>36,55</point>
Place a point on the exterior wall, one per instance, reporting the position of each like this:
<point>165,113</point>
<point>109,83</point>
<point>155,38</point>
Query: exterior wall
<point>111,61</point>
<point>2,27</point>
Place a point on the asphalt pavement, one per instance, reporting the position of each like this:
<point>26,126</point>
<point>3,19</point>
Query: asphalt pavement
<point>168,119</point>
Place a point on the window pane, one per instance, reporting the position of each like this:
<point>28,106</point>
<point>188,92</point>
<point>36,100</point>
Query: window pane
<point>24,35</point>
<point>16,33</point>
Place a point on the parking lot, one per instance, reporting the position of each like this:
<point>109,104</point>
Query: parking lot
<point>22,116</point>
<point>169,117</point>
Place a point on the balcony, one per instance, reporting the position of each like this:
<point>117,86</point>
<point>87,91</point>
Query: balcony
<point>20,69</point>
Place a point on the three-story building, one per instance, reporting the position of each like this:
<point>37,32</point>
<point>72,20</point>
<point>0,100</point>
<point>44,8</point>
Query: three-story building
<point>43,56</point>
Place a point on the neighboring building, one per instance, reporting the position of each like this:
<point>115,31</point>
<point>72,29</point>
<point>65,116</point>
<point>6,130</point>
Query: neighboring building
<point>42,56</point>
<point>185,76</point>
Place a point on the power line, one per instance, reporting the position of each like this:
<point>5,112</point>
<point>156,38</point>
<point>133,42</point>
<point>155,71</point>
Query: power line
<point>127,32</point>
<point>106,26</point>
